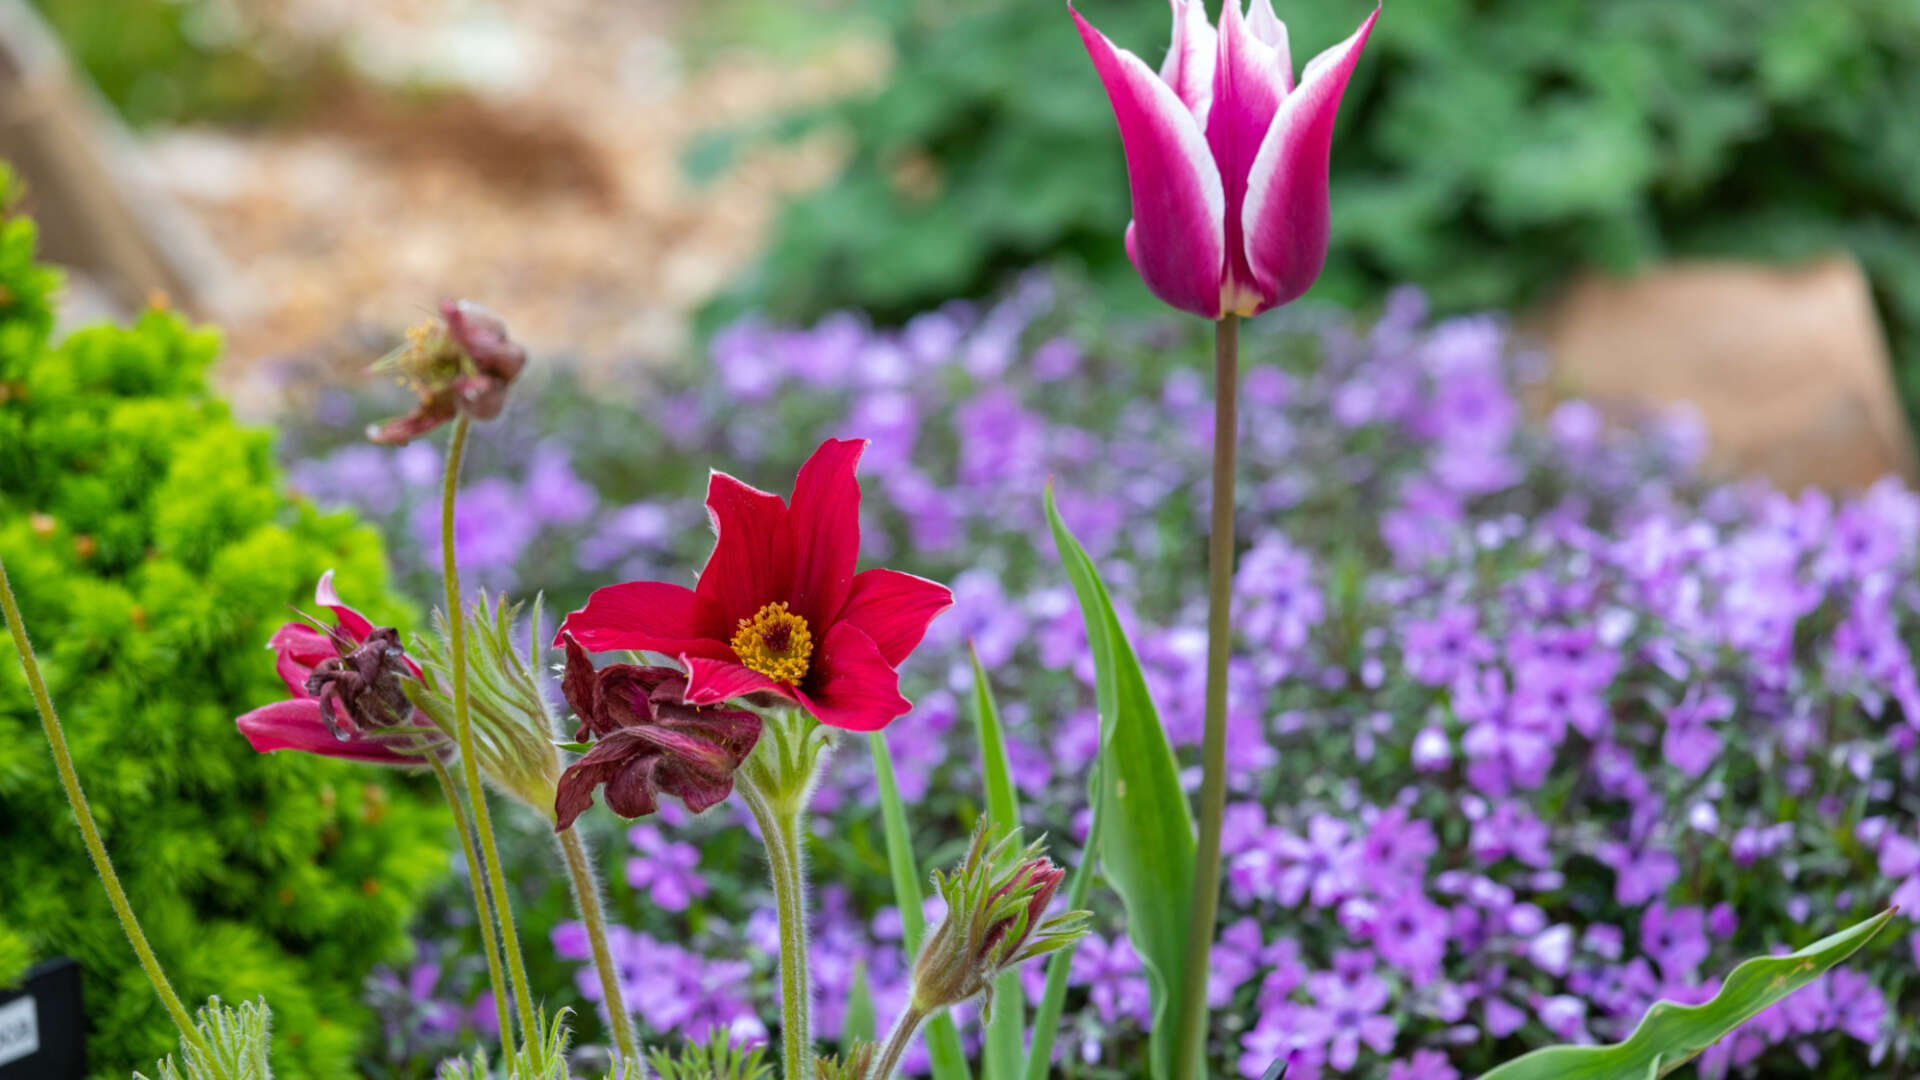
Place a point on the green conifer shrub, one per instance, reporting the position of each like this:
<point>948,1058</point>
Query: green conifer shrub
<point>155,551</point>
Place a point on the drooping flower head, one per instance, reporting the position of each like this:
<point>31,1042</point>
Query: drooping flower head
<point>778,610</point>
<point>348,684</point>
<point>648,740</point>
<point>1226,156</point>
<point>462,362</point>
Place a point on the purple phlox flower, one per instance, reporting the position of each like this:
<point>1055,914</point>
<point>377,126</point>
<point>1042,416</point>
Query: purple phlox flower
<point>1321,866</point>
<point>1411,934</point>
<point>637,526</point>
<point>1855,1005</point>
<point>491,528</point>
<point>1235,961</point>
<point>1280,602</point>
<point>1394,851</point>
<point>1550,694</point>
<point>1432,750</point>
<point>1511,831</point>
<point>1722,921</point>
<point>1900,862</point>
<point>1002,444</point>
<point>1551,949</point>
<point>1565,1016</point>
<point>1424,525</point>
<point>1639,876</point>
<point>1675,938</point>
<point>1276,1037</point>
<point>983,616</point>
<point>1445,648</point>
<point>668,870</point>
<point>1423,1065</point>
<point>1691,744</point>
<point>743,354</point>
<point>1111,971</point>
<point>1344,1015</point>
<point>891,420</point>
<point>555,493</point>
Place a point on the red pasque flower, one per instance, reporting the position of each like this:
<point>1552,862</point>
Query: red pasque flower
<point>347,682</point>
<point>778,609</point>
<point>649,740</point>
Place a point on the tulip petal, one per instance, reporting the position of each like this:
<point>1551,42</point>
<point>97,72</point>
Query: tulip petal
<point>352,621</point>
<point>1268,28</point>
<point>711,681</point>
<point>750,567</point>
<point>853,687</point>
<point>894,609</point>
<point>297,725</point>
<point>1285,215</point>
<point>823,530</point>
<point>1249,82</point>
<point>1178,236</point>
<point>670,619</point>
<point>1188,67</point>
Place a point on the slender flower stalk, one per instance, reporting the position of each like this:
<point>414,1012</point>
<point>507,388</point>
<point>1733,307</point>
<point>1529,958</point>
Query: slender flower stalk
<point>90,835</point>
<point>897,1042</point>
<point>586,895</point>
<point>482,907</point>
<point>1190,1036</point>
<point>469,760</point>
<point>777,783</point>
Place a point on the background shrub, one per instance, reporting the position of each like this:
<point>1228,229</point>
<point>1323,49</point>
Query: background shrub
<point>1485,148</point>
<point>154,552</point>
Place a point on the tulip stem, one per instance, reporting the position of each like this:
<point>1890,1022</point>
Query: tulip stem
<point>1190,1032</point>
<point>469,760</point>
<point>90,836</point>
<point>586,894</point>
<point>898,1040</point>
<point>489,931</point>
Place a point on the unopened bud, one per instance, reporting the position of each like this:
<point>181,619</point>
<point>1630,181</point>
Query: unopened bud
<point>996,919</point>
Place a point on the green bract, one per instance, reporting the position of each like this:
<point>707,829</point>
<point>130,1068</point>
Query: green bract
<point>154,552</point>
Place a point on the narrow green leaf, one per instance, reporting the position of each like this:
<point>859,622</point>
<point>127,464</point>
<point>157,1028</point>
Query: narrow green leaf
<point>1671,1035</point>
<point>943,1039</point>
<point>859,1024</point>
<point>1147,849</point>
<point>1000,1056</point>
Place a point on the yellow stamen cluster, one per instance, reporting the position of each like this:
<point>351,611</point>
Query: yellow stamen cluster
<point>776,643</point>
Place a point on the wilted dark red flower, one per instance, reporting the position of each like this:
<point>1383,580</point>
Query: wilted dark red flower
<point>778,609</point>
<point>462,363</point>
<point>649,740</point>
<point>348,686</point>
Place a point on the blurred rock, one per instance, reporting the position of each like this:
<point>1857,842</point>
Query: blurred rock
<point>1787,367</point>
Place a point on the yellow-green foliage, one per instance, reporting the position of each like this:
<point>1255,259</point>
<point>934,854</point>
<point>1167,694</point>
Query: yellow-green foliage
<point>154,552</point>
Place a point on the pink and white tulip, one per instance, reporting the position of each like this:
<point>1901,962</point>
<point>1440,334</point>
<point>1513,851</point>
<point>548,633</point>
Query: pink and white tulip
<point>1226,156</point>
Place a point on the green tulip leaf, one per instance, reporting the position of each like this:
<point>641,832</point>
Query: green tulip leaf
<point>1001,1055</point>
<point>1147,851</point>
<point>1670,1035</point>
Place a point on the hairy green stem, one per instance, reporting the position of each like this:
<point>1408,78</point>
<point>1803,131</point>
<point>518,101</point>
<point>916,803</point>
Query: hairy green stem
<point>898,1040</point>
<point>482,907</point>
<point>1190,1032</point>
<point>90,834</point>
<point>586,894</point>
<point>469,760</point>
<point>780,825</point>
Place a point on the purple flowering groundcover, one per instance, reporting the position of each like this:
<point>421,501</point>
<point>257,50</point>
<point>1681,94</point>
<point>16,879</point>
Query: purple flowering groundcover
<point>1530,725</point>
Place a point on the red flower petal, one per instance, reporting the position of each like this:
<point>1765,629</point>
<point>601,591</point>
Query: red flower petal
<point>299,648</point>
<point>352,621</point>
<point>712,681</point>
<point>894,609</point>
<point>296,725</point>
<point>654,615</point>
<point>852,686</point>
<point>823,531</point>
<point>751,564</point>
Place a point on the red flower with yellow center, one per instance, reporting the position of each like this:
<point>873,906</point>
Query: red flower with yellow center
<point>778,609</point>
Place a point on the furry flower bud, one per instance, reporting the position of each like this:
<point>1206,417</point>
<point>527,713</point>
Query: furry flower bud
<point>996,919</point>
